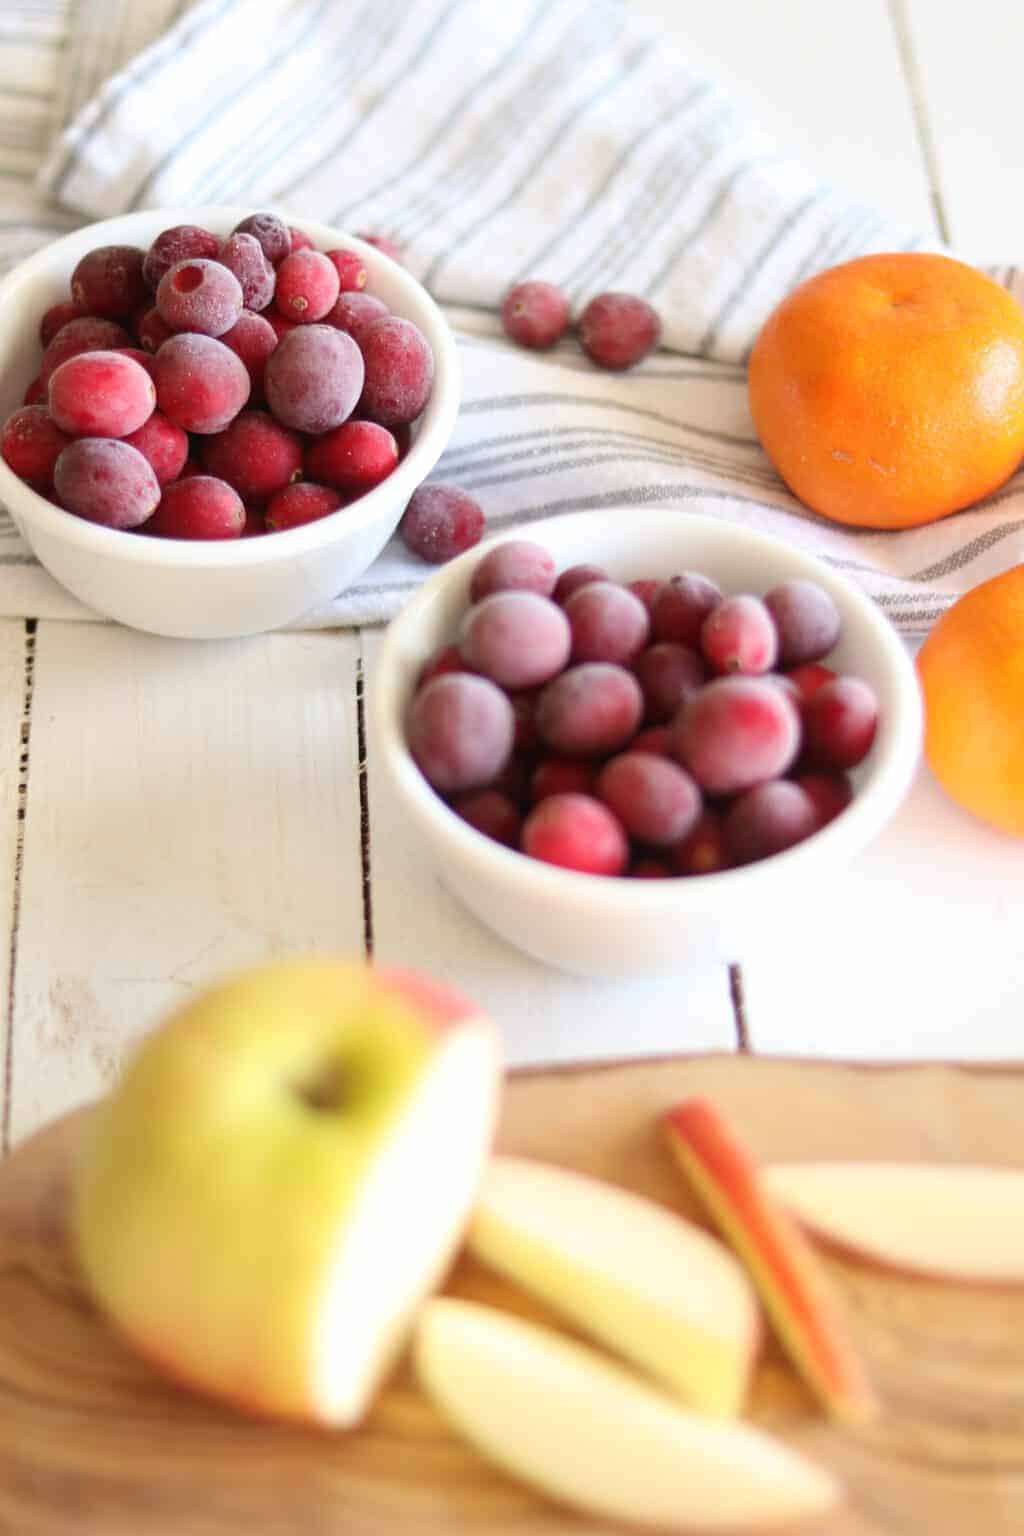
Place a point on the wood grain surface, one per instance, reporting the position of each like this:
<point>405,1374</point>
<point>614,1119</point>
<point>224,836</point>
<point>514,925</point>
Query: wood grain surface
<point>91,1442</point>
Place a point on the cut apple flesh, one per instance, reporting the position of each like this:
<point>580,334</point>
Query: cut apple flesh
<point>588,1433</point>
<point>630,1273</point>
<point>962,1222</point>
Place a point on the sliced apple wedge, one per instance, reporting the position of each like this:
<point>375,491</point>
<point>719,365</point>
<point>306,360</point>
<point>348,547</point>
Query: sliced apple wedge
<point>631,1273</point>
<point>781,1262</point>
<point>587,1432</point>
<point>954,1221</point>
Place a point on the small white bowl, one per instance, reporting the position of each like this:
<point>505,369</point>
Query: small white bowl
<point>201,590</point>
<point>597,926</point>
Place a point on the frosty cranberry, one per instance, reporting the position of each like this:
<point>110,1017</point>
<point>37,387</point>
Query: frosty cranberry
<point>300,240</point>
<point>355,313</point>
<point>243,256</point>
<point>491,813</point>
<point>253,338</point>
<point>271,232</point>
<point>200,383</point>
<point>441,522</point>
<point>668,674</point>
<point>735,733</point>
<point>841,721</point>
<point>384,245</point>
<point>313,378</point>
<point>354,457</point>
<point>151,331</point>
<point>576,832</point>
<point>655,738</point>
<point>55,317</point>
<point>399,371</point>
<point>515,565</point>
<point>590,711</point>
<point>768,819</point>
<point>100,394</point>
<point>447,659</point>
<point>561,776</point>
<point>254,454</point>
<point>703,850</point>
<point>106,481</point>
<point>607,622</point>
<point>654,799</point>
<point>535,314</point>
<point>108,282</point>
<point>807,621</point>
<point>809,677</point>
<point>182,242</point>
<point>519,639</point>
<point>279,324</point>
<point>350,269</point>
<point>739,635</point>
<point>460,732</point>
<point>144,359</point>
<point>200,297</point>
<point>200,507</point>
<point>575,577</point>
<point>617,330</point>
<point>681,605</point>
<point>31,444</point>
<point>86,334</point>
<point>829,793</point>
<point>307,286</point>
<point>163,445</point>
<point>299,504</point>
<point>646,588</point>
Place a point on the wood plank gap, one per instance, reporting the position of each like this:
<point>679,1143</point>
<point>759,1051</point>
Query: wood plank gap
<point>364,802</point>
<point>19,854</point>
<point>739,1008</point>
<point>915,89</point>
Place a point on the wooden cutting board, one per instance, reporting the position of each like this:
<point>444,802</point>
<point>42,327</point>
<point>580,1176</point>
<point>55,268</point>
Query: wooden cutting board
<point>92,1443</point>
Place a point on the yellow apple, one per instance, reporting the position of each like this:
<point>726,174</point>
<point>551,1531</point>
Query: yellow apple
<point>631,1273</point>
<point>282,1175</point>
<point>586,1432</point>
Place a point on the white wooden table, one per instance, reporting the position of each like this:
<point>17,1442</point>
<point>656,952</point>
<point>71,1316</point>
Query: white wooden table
<point>170,810</point>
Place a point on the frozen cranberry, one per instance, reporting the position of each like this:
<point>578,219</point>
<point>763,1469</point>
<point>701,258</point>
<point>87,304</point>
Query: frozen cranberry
<point>106,481</point>
<point>56,316</point>
<point>100,394</point>
<point>535,314</point>
<point>163,445</point>
<point>307,286</point>
<point>313,378</point>
<point>518,639</point>
<point>491,813</point>
<point>399,371</point>
<point>515,565</point>
<point>768,819</point>
<point>460,732</point>
<point>253,338</point>
<point>151,331</point>
<point>243,256</point>
<point>655,800</point>
<point>200,383</point>
<point>447,659</point>
<point>355,313</point>
<point>668,674</point>
<point>86,334</point>
<point>575,577</point>
<point>646,589</point>
<point>703,850</point>
<point>254,454</point>
<point>590,711</point>
<point>808,678</point>
<point>108,282</point>
<point>299,504</point>
<point>384,245</point>
<point>144,359</point>
<point>561,776</point>
<point>807,621</point>
<point>183,242</point>
<point>200,297</point>
<point>576,832</point>
<point>271,233</point>
<point>354,457</point>
<point>739,635</point>
<point>300,240</point>
<point>617,330</point>
<point>680,607</point>
<point>841,721</point>
<point>30,445</point>
<point>735,733</point>
<point>280,325</point>
<point>441,522</point>
<point>607,622</point>
<point>830,793</point>
<point>350,269</point>
<point>655,738</point>
<point>35,394</point>
<point>200,507</point>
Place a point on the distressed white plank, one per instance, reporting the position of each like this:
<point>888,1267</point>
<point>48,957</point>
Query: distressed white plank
<point>546,1016</point>
<point>825,81</point>
<point>191,808</point>
<point>967,63</point>
<point>13,654</point>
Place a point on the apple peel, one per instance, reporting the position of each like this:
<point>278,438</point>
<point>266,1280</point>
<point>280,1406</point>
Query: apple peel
<point>779,1259</point>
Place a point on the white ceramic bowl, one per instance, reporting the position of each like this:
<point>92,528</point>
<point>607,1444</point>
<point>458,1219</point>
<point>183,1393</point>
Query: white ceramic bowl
<point>238,587</point>
<point>597,926</point>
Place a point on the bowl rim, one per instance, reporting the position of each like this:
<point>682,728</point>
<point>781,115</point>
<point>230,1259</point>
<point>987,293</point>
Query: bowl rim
<point>438,419</point>
<point>898,744</point>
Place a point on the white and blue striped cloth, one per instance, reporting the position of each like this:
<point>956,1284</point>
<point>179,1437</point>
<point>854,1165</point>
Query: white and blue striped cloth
<point>494,139</point>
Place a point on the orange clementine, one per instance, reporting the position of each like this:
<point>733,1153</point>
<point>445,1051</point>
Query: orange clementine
<point>972,674</point>
<point>889,391</point>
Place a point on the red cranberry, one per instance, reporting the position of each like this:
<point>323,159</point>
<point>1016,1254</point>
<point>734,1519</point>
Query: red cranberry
<point>280,325</point>
<point>31,444</point>
<point>575,577</point>
<point>591,710</point>
<point>151,331</point>
<point>313,378</point>
<point>399,371</point>
<point>447,659</point>
<point>163,445</point>
<point>301,503</point>
<point>108,282</point>
<point>307,286</point>
<point>516,565</point>
<point>668,674</point>
<point>56,316</point>
<point>199,296</point>
<point>830,793</point>
<point>35,394</point>
<point>271,233</point>
<point>617,330</point>
<point>300,240</point>
<point>355,313</point>
<point>562,776</point>
<point>253,338</point>
<point>243,256</point>
<point>654,799</point>
<point>768,819</point>
<point>350,270</point>
<point>183,242</point>
<point>576,832</point>
<point>535,314</point>
<point>655,738</point>
<point>702,851</point>
<point>144,359</point>
<point>646,589</point>
<point>353,457</point>
<point>100,394</point>
<point>86,334</point>
<point>106,481</point>
<point>736,732</point>
<point>200,383</point>
<point>681,605</point>
<point>200,507</point>
<point>491,813</point>
<point>841,721</point>
<point>254,454</point>
<point>441,522</point>
<point>384,245</point>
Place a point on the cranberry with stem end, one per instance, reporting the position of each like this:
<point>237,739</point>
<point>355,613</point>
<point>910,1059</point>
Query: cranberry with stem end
<point>353,457</point>
<point>739,635</point>
<point>299,504</point>
<point>201,507</point>
<point>307,287</point>
<point>254,454</point>
<point>350,269</point>
<point>535,314</point>
<point>618,330</point>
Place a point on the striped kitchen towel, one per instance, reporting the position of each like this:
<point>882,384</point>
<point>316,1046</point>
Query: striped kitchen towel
<point>493,139</point>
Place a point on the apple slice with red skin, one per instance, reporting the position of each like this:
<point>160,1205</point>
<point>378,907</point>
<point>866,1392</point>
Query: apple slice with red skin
<point>786,1271</point>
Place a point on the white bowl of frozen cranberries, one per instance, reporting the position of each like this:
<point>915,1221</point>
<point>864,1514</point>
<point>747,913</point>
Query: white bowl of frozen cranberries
<point>625,783</point>
<point>272,410</point>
